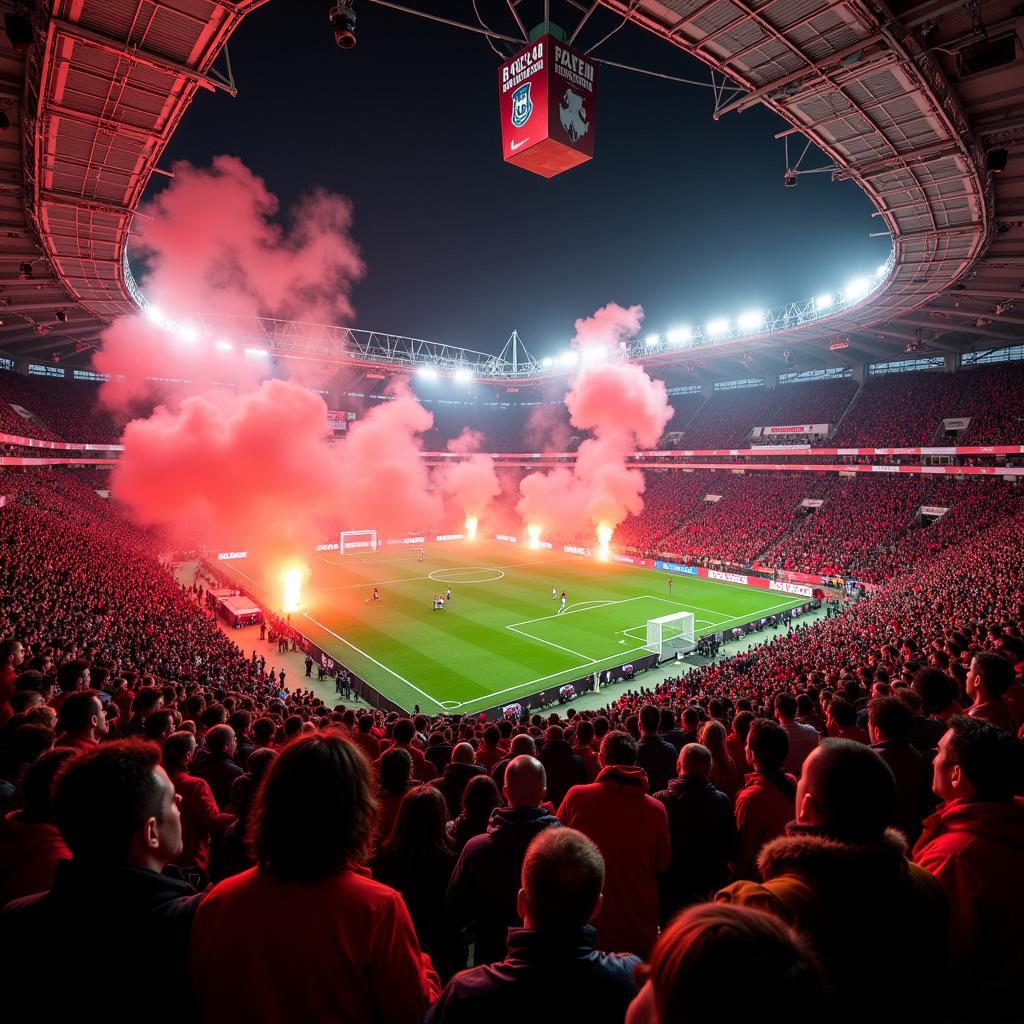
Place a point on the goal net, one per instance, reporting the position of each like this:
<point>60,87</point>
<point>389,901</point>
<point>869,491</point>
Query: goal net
<point>671,635</point>
<point>357,540</point>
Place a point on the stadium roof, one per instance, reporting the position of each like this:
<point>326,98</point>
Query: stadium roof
<point>909,104</point>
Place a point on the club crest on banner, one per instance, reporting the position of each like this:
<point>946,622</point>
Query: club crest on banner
<point>522,105</point>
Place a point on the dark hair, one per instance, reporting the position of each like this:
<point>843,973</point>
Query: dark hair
<point>315,810</point>
<point>854,789</point>
<point>365,724</point>
<point>37,784</point>
<point>741,724</point>
<point>101,797</point>
<point>491,736</point>
<point>403,731</point>
<point>146,700</point>
<point>76,709</point>
<point>264,730</point>
<point>419,827</point>
<point>695,961</point>
<point>989,756</point>
<point>995,671</point>
<point>395,770</point>
<point>842,711</point>
<point>618,748</point>
<point>690,714</point>
<point>935,688</point>
<point>584,733</point>
<point>22,745</point>
<point>157,722</point>
<point>769,743</point>
<point>785,705</point>
<point>174,749</point>
<point>69,673</point>
<point>480,797</point>
<point>650,718</point>
<point>563,875</point>
<point>891,717</point>
<point>7,648</point>
<point>219,738</point>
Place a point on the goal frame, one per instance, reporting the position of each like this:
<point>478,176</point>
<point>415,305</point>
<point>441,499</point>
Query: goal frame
<point>684,641</point>
<point>370,544</point>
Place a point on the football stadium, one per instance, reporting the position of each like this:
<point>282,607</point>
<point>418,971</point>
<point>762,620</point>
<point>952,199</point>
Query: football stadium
<point>512,507</point>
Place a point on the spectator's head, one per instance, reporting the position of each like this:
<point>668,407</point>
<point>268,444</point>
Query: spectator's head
<point>691,719</point>
<point>562,878</point>
<point>116,806</point>
<point>618,749</point>
<point>419,825</point>
<point>841,714</point>
<point>73,676</point>
<point>695,761</point>
<point>585,733</point>
<point>553,734</point>
<point>989,677</point>
<point>20,746</point>
<point>462,753</point>
<point>847,791</point>
<point>889,720</point>
<point>82,716</point>
<point>159,725</point>
<point>697,958</point>
<point>403,732</point>
<point>258,763</point>
<point>525,782</point>
<point>177,752</point>
<point>147,700</point>
<point>650,720</point>
<point>365,724</point>
<point>523,743</point>
<point>976,761</point>
<point>315,811</point>
<point>220,740</point>
<point>263,732</point>
<point>767,746</point>
<point>12,654</point>
<point>741,724</point>
<point>480,797</point>
<point>785,707</point>
<point>395,770</point>
<point>492,737</point>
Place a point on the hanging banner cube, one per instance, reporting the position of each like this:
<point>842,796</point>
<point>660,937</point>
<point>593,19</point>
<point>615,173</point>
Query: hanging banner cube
<point>547,95</point>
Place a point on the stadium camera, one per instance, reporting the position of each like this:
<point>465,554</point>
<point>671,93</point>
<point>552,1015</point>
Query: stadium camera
<point>343,21</point>
<point>789,179</point>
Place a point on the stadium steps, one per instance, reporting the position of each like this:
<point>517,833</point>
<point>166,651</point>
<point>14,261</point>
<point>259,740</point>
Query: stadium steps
<point>849,405</point>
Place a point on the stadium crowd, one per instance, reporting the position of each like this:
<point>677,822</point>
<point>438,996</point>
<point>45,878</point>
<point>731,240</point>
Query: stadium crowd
<point>833,818</point>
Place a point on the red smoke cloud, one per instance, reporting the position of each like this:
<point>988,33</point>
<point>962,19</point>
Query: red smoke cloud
<point>255,471</point>
<point>472,482</point>
<point>623,409</point>
<point>211,245</point>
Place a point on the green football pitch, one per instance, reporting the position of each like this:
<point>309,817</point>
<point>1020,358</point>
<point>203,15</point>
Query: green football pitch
<point>501,636</point>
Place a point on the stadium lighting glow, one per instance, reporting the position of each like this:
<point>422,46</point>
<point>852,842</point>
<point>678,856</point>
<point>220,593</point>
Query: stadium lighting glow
<point>679,335</point>
<point>547,362</point>
<point>857,289</point>
<point>604,538</point>
<point>595,354</point>
<point>225,346</point>
<point>262,352</point>
<point>652,339</point>
<point>823,301</point>
<point>751,321</point>
<point>471,525</point>
<point>533,532</point>
<point>291,580</point>
<point>463,376</point>
<point>880,270</point>
<point>427,373</point>
<point>716,327</point>
<point>187,333</point>
<point>569,358</point>
<point>156,315</point>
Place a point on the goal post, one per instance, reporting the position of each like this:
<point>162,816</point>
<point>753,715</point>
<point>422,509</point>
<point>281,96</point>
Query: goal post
<point>357,540</point>
<point>670,635</point>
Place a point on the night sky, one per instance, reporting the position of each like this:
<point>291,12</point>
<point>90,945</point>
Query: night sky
<point>686,216</point>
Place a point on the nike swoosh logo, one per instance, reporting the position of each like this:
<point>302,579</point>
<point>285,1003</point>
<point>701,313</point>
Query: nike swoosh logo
<point>515,145</point>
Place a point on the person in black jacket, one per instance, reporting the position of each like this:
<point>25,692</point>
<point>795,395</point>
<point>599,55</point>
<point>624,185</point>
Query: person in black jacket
<point>457,774</point>
<point>551,964</point>
<point>654,753</point>
<point>116,810</point>
<point>564,768</point>
<point>703,832</point>
<point>482,893</point>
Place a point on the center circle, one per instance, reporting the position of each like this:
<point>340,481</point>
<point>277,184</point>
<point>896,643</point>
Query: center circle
<point>464,575</point>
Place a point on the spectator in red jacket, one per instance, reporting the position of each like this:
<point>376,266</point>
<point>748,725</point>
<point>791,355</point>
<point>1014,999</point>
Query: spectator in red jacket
<point>81,721</point>
<point>630,829</point>
<point>989,677</point>
<point>767,803</point>
<point>489,752</point>
<point>12,655</point>
<point>31,845</point>
<point>199,812</point>
<point>307,934</point>
<point>718,962</point>
<point>974,846</point>
<point>583,748</point>
<point>364,739</point>
<point>402,735</point>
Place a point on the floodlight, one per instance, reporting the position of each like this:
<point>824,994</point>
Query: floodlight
<point>679,335</point>
<point>547,362</point>
<point>343,22</point>
<point>881,269</point>
<point>225,346</point>
<point>257,352</point>
<point>823,301</point>
<point>750,321</point>
<point>716,327</point>
<point>156,315</point>
<point>652,339</point>
<point>187,333</point>
<point>569,358</point>
<point>857,289</point>
<point>427,372</point>
<point>463,376</point>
